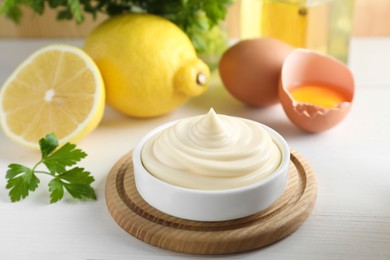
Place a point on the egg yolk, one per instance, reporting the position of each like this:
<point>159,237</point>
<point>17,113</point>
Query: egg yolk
<point>318,95</point>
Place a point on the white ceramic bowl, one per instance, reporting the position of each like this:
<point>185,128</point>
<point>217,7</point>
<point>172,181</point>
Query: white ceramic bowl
<point>210,205</point>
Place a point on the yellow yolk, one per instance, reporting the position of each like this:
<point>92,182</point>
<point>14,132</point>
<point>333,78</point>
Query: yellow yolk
<point>318,95</point>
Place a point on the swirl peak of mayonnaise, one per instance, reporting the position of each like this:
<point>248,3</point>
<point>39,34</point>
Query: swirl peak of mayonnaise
<point>211,152</point>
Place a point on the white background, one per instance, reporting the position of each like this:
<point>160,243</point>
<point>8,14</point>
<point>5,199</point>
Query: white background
<point>351,219</point>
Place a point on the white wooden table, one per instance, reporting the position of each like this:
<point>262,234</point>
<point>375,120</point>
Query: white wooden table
<point>351,219</point>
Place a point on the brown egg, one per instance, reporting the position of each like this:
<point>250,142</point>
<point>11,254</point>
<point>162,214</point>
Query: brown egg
<point>329,95</point>
<point>250,70</point>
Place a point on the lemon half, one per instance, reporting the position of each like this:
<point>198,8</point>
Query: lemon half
<point>58,89</point>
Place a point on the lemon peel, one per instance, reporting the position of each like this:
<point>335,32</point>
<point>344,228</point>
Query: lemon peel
<point>149,65</point>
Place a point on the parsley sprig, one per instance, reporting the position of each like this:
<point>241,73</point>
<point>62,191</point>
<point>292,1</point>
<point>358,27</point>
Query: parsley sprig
<point>22,180</point>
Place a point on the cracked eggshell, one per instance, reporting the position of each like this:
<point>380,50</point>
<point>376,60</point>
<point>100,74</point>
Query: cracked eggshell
<point>302,66</point>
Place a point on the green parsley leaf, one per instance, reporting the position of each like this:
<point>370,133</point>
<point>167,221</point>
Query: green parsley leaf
<point>56,190</point>
<point>80,191</point>
<point>21,180</point>
<point>76,181</point>
<point>67,155</point>
<point>77,175</point>
<point>75,8</point>
<point>48,144</point>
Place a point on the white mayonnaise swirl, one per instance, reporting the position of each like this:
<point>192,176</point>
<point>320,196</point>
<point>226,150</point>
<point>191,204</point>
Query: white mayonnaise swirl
<point>211,152</point>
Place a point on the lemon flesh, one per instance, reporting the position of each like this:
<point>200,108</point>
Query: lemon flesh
<point>59,90</point>
<point>149,65</point>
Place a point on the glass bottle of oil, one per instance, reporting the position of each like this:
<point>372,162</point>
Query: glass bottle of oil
<point>322,25</point>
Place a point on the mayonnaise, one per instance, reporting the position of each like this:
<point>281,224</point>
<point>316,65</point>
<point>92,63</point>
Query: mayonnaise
<point>211,152</point>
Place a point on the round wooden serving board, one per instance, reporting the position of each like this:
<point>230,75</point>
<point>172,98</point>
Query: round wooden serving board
<point>148,224</point>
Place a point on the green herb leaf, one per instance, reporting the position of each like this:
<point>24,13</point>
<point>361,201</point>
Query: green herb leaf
<point>16,169</point>
<point>48,144</point>
<point>56,190</point>
<point>67,155</point>
<point>75,8</point>
<point>76,181</point>
<point>21,180</point>
<point>77,175</point>
<point>80,191</point>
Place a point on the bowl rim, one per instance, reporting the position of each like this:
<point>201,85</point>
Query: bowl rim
<point>276,137</point>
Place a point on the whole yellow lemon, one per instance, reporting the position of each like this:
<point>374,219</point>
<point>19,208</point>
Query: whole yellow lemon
<point>149,65</point>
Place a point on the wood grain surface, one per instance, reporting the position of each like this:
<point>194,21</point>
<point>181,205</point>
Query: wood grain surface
<point>139,219</point>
